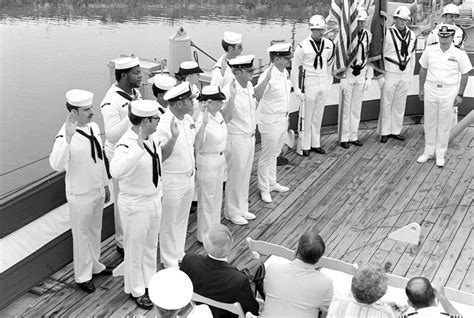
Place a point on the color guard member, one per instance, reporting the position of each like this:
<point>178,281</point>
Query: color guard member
<point>399,53</point>
<point>315,54</point>
<point>272,117</point>
<point>210,161</point>
<point>161,83</point>
<point>78,150</point>
<point>239,113</point>
<point>358,79</point>
<point>114,108</point>
<point>443,78</point>
<point>178,173</point>
<point>137,165</point>
<point>221,72</point>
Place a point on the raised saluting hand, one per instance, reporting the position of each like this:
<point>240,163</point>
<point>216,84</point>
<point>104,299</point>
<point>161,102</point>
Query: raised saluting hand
<point>70,126</point>
<point>174,129</point>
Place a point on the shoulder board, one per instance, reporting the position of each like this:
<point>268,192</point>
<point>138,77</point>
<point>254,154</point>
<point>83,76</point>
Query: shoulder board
<point>105,104</point>
<point>124,145</point>
<point>58,136</point>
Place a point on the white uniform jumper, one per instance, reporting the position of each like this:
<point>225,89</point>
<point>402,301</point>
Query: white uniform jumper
<point>240,150</point>
<point>216,77</point>
<point>354,93</point>
<point>316,60</point>
<point>399,55</point>
<point>178,187</point>
<point>441,87</point>
<point>210,162</point>
<point>272,120</point>
<point>114,109</point>
<point>85,180</point>
<point>138,171</point>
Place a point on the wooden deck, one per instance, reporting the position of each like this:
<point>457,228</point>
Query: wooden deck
<point>353,197</point>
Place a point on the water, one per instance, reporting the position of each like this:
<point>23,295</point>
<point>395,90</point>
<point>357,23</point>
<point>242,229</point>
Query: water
<point>49,47</point>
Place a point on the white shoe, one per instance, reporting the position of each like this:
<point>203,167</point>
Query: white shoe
<point>266,197</point>
<point>238,220</point>
<point>424,158</point>
<point>440,162</point>
<point>278,188</point>
<point>248,216</point>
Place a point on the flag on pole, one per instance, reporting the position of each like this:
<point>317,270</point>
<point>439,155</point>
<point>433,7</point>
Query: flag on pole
<point>377,29</point>
<point>345,13</point>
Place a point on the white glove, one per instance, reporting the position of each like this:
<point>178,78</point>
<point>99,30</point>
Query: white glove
<point>367,84</point>
<point>343,84</point>
<point>381,81</point>
<point>299,94</point>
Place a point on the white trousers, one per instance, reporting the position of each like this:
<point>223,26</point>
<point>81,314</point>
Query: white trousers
<point>178,191</point>
<point>316,92</point>
<point>141,227</point>
<point>239,155</point>
<point>272,128</point>
<point>85,211</point>
<point>438,109</point>
<point>392,103</point>
<point>115,193</point>
<point>353,96</point>
<point>209,178</point>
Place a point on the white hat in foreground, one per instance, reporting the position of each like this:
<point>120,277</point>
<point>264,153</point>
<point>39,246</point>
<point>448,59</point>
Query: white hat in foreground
<point>281,49</point>
<point>189,67</point>
<point>170,289</point>
<point>242,61</point>
<point>179,92</point>
<point>126,63</point>
<point>232,37</point>
<point>79,98</point>
<point>211,92</point>
<point>144,108</point>
<point>317,22</point>
<point>162,81</point>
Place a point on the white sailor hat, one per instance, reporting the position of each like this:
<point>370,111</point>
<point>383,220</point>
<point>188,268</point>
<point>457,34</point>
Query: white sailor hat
<point>445,30</point>
<point>179,92</point>
<point>170,289</point>
<point>362,14</point>
<point>317,22</point>
<point>189,67</point>
<point>144,108</point>
<point>126,63</point>
<point>79,98</point>
<point>280,49</point>
<point>242,61</point>
<point>232,37</point>
<point>211,92</point>
<point>162,82</point>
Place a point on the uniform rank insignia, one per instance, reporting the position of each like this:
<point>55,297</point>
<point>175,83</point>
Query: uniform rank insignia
<point>453,59</point>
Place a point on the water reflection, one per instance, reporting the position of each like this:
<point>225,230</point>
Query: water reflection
<point>125,11</point>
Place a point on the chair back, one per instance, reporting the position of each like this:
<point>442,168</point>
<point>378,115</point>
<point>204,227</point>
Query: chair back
<point>234,308</point>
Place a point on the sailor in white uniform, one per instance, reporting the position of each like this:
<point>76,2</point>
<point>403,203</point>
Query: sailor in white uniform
<point>399,54</point>
<point>160,84</point>
<point>443,78</point>
<point>137,163</point>
<point>210,160</point>
<point>78,150</point>
<point>114,108</point>
<point>358,79</point>
<point>272,117</point>
<point>316,55</point>
<point>221,72</point>
<point>449,15</point>
<point>189,71</point>
<point>178,173</point>
<point>239,112</point>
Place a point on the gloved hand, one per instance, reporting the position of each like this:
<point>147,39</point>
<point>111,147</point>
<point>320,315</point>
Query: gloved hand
<point>367,84</point>
<point>381,81</point>
<point>299,94</point>
<point>343,84</point>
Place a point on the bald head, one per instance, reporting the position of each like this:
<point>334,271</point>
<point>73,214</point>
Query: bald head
<point>420,292</point>
<point>310,248</point>
<point>218,241</point>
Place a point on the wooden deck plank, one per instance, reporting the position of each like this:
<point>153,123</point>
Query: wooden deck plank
<point>354,197</point>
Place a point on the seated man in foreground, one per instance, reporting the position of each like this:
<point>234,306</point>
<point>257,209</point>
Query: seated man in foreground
<point>369,285</point>
<point>297,289</point>
<point>424,298</point>
<point>215,278</point>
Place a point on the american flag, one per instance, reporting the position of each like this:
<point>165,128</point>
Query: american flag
<point>345,13</point>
